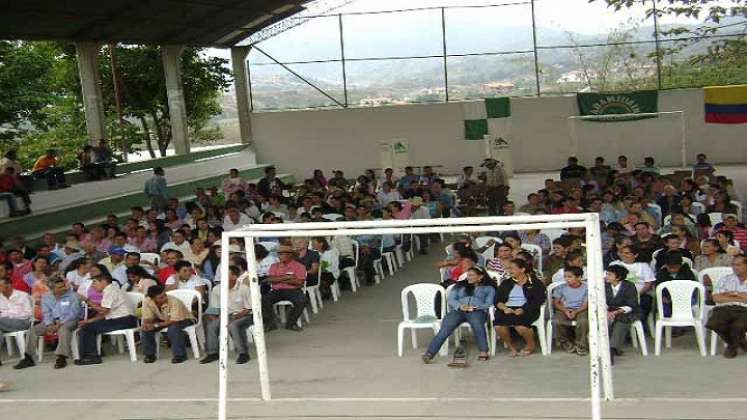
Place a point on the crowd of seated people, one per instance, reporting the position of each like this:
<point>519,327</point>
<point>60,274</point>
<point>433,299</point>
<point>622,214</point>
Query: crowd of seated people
<point>95,266</point>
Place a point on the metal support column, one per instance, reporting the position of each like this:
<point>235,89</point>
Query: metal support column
<point>238,61</point>
<point>658,45</point>
<point>342,60</point>
<point>536,58</point>
<point>446,64</point>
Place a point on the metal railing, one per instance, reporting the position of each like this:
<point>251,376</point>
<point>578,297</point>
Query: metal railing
<point>657,43</point>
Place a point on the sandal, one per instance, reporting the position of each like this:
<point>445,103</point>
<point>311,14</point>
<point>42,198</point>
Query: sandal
<point>484,358</point>
<point>513,353</point>
<point>525,353</point>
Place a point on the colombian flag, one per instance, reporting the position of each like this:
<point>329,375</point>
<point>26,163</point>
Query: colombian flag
<point>726,104</point>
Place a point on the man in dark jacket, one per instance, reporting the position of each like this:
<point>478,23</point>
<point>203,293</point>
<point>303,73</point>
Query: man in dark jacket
<point>622,306</point>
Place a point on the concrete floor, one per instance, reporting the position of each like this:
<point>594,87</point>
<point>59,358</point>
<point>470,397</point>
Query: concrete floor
<point>344,366</point>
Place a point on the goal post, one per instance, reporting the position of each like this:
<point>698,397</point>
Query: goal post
<point>599,356</point>
<point>572,120</point>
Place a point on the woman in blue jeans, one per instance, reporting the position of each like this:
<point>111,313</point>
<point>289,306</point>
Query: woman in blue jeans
<point>469,301</point>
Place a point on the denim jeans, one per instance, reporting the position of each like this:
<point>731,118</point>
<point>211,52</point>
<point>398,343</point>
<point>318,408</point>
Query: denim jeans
<point>176,337</point>
<point>10,198</point>
<point>454,319</point>
<point>88,333</point>
<point>54,175</point>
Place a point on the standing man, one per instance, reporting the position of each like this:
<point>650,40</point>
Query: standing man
<point>157,190</point>
<point>161,311</point>
<point>496,183</point>
<point>270,184</point>
<point>61,312</point>
<point>48,166</point>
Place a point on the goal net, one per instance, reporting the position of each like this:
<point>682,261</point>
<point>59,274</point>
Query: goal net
<point>600,374</point>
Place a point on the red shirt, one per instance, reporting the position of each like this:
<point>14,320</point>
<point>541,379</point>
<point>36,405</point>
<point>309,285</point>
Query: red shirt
<point>165,273</point>
<point>279,269</point>
<point>740,235</point>
<point>7,183</point>
<point>20,284</point>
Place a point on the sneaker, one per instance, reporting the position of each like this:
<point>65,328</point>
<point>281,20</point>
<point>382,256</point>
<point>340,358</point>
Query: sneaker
<point>243,358</point>
<point>26,362</point>
<point>60,362</point>
<point>427,358</point>
<point>149,359</point>
<point>209,359</point>
<point>270,327</point>
<point>568,346</point>
<point>581,351</point>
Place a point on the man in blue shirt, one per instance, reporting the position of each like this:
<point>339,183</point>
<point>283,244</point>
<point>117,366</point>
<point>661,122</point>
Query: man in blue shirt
<point>405,181</point>
<point>156,190</point>
<point>61,312</point>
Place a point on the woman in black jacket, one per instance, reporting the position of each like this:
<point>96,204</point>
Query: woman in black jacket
<point>519,302</point>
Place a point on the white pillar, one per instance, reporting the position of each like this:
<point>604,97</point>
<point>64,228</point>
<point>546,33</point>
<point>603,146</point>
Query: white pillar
<point>90,82</point>
<point>241,86</point>
<point>171,55</point>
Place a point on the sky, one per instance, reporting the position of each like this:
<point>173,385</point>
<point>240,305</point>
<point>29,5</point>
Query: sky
<point>578,16</point>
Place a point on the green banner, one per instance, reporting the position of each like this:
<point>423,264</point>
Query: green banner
<point>610,107</point>
<point>498,107</point>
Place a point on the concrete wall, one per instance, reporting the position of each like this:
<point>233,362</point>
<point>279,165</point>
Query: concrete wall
<point>300,141</point>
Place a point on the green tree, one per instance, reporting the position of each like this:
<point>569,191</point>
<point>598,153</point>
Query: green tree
<point>144,97</point>
<point>709,53</point>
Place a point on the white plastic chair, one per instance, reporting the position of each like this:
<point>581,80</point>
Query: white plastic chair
<point>354,281</point>
<point>390,259</point>
<point>187,297</point>
<point>315,295</point>
<point>716,218</point>
<point>537,252</point>
<point>539,324</point>
<point>658,213</point>
<point>739,207</point>
<point>684,314</point>
<point>425,316</point>
<point>135,299</point>
<point>715,274</point>
<point>151,257</point>
<point>332,217</point>
<point>20,337</point>
<point>700,206</point>
<point>335,287</point>
<point>279,308</point>
<point>550,315</point>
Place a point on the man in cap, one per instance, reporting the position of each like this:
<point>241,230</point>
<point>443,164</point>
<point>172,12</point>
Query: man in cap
<point>496,185</point>
<point>115,259</point>
<point>286,277</point>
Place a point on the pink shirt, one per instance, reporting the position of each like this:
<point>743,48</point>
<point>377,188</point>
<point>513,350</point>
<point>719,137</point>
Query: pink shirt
<point>279,269</point>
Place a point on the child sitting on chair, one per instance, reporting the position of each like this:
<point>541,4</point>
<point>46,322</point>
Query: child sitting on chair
<point>570,302</point>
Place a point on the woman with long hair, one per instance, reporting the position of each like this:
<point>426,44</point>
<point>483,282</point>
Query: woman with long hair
<point>519,301</point>
<point>687,240</point>
<point>138,279</point>
<point>498,266</point>
<point>210,263</point>
<point>726,240</point>
<point>468,301</point>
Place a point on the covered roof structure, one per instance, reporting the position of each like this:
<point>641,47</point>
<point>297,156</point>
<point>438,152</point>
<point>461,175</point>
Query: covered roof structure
<point>202,23</point>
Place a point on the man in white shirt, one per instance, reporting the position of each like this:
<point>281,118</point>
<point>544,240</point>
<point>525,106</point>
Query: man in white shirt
<point>729,318</point>
<point>178,242</point>
<point>387,194</point>
<point>239,318</point>
<point>114,313</point>
<point>131,260</point>
<point>185,278</point>
<point>16,309</point>
<point>418,211</point>
<point>235,219</point>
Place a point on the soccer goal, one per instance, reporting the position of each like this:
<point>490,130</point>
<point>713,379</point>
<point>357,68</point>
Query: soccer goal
<point>675,118</point>
<point>599,357</point>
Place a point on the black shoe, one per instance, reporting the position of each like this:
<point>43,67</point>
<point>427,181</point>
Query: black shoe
<point>93,360</point>
<point>423,252</point>
<point>210,358</point>
<point>243,358</point>
<point>427,358</point>
<point>149,359</point>
<point>616,352</point>
<point>294,327</point>
<point>178,359</point>
<point>730,352</point>
<point>60,363</point>
<point>612,357</point>
<point>26,362</point>
<point>271,327</point>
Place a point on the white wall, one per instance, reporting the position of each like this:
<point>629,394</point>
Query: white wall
<point>300,141</point>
